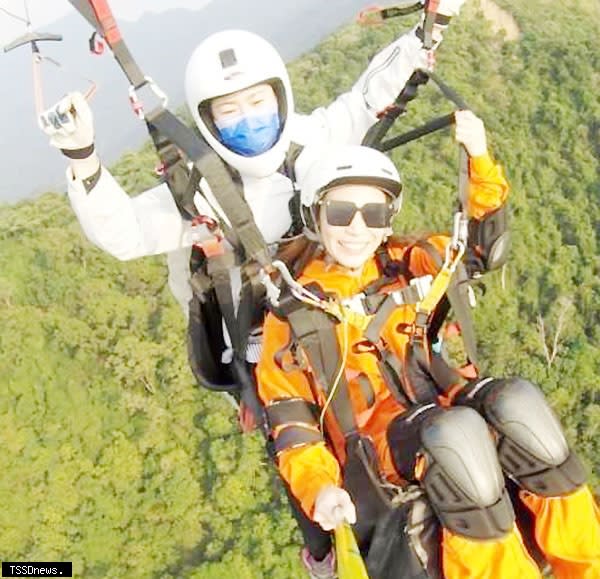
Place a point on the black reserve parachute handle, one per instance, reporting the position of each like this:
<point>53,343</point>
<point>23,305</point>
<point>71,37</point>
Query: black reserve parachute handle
<point>374,15</point>
<point>388,117</point>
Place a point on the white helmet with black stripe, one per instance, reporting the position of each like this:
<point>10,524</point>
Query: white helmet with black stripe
<point>227,62</point>
<point>343,165</point>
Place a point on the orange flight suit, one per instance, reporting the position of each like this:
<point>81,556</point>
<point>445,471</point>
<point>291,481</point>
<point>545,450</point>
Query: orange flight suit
<point>307,469</point>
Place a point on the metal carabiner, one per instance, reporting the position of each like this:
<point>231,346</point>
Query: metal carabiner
<point>460,229</point>
<point>137,104</point>
<point>451,261</point>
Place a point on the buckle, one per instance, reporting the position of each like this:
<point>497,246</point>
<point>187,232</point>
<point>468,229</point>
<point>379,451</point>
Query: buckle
<point>152,90</point>
<point>422,285</point>
<point>356,304</point>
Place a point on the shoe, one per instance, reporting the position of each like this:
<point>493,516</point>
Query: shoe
<point>325,569</point>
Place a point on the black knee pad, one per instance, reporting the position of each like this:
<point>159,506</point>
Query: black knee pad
<point>463,480</point>
<point>404,438</point>
<point>532,447</point>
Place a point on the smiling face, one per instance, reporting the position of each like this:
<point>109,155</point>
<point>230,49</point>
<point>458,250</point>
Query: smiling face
<point>352,245</point>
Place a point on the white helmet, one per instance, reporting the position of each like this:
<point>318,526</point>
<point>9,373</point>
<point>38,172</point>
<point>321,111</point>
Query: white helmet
<point>224,63</point>
<point>344,165</point>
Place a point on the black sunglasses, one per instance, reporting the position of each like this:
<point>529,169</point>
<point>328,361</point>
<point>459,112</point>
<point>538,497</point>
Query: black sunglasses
<point>341,213</point>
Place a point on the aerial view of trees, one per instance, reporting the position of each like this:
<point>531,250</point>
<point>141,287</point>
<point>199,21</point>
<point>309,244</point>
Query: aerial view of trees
<point>114,459</point>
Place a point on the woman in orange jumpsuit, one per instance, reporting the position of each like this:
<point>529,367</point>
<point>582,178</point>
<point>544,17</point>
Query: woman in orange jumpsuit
<point>457,442</point>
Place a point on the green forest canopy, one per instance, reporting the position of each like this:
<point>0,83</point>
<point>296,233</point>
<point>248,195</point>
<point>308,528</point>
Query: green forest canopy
<point>114,460</point>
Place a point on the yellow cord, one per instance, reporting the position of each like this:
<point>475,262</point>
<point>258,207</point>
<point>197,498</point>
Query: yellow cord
<point>341,369</point>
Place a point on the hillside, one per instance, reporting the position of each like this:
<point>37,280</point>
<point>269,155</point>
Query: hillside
<point>114,460</point>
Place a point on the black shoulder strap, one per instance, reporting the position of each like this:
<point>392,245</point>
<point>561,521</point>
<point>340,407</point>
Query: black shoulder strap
<point>314,330</point>
<point>289,169</point>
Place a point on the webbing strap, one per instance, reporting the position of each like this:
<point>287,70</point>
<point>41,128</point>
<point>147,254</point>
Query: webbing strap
<point>419,383</point>
<point>386,309</point>
<point>315,332</point>
<point>251,303</point>
<point>225,190</point>
<point>291,410</point>
<point>376,133</point>
<point>431,7</point>
<point>457,296</point>
<point>218,267</point>
<point>295,436</point>
<point>99,15</point>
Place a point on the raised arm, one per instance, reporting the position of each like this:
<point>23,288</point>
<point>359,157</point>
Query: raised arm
<point>126,227</point>
<point>486,206</point>
<point>349,117</point>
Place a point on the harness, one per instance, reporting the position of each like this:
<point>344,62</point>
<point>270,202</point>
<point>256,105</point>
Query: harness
<point>313,319</point>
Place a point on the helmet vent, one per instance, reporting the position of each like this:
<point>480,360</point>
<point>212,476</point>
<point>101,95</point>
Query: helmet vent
<point>343,167</point>
<point>227,58</point>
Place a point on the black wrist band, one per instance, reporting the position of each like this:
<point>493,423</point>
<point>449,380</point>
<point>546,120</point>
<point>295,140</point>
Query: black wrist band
<point>78,153</point>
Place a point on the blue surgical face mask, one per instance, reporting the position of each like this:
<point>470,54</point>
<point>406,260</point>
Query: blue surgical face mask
<point>252,135</point>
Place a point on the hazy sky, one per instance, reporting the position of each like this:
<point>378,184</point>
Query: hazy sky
<point>43,12</point>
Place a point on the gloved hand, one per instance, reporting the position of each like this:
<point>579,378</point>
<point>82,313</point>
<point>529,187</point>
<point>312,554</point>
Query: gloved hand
<point>70,125</point>
<point>332,507</point>
<point>450,7</point>
<point>445,11</point>
<point>470,132</point>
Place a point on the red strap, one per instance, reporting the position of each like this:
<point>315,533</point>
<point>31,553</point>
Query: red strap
<point>105,17</point>
<point>212,247</point>
<point>246,418</point>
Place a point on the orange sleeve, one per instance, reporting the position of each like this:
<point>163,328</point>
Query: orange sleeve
<point>488,188</point>
<point>421,263</point>
<point>306,469</point>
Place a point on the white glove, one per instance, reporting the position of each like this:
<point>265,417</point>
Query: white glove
<point>333,506</point>
<point>447,8</point>
<point>470,132</point>
<point>450,7</point>
<point>69,124</point>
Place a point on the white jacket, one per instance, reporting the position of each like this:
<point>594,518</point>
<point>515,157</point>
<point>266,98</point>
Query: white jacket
<point>150,223</point>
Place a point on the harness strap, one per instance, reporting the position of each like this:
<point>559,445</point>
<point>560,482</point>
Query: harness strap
<point>218,271</point>
<point>296,436</point>
<point>291,410</point>
<point>315,332</point>
<point>250,310</point>
<point>293,423</point>
<point>413,294</point>
<point>99,15</point>
<point>458,299</point>
<point>390,367</point>
<point>224,188</point>
<point>431,7</point>
<point>419,384</point>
